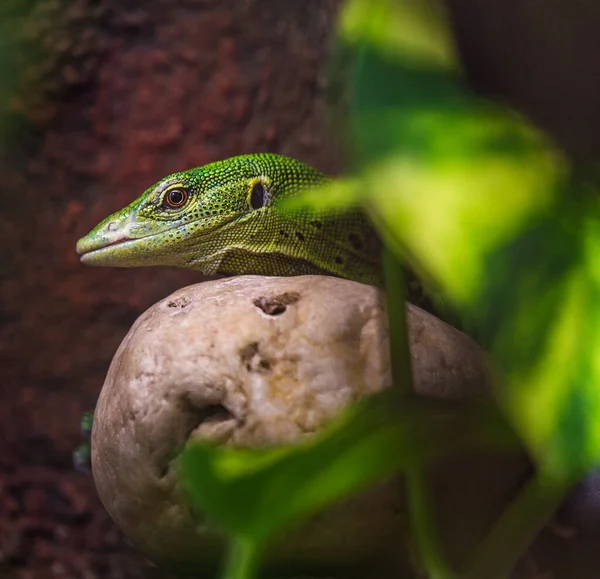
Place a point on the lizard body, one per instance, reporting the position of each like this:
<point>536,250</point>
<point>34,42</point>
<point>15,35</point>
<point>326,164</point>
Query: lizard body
<point>224,218</point>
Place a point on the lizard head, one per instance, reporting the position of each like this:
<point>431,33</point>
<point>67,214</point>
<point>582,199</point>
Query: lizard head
<point>187,217</point>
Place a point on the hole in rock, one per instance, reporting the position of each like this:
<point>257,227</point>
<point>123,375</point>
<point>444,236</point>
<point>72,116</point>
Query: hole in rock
<point>276,305</point>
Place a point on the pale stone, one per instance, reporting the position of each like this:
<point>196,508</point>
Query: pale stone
<point>253,361</point>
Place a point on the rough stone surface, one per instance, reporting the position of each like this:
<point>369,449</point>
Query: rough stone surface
<point>254,361</point>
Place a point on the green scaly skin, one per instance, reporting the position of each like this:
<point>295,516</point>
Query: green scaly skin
<point>230,223</point>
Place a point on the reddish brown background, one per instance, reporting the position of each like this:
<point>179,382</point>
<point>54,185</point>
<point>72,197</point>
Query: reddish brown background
<point>112,95</point>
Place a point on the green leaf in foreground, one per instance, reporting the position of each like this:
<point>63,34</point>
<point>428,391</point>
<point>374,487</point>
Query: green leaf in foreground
<point>446,176</point>
<point>415,31</point>
<point>543,314</point>
<point>475,197</point>
<point>253,493</point>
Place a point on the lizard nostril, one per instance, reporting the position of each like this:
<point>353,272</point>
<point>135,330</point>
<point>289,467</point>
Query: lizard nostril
<point>112,226</point>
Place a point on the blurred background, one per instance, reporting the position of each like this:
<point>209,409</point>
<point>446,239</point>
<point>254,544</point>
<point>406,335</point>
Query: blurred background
<point>98,100</point>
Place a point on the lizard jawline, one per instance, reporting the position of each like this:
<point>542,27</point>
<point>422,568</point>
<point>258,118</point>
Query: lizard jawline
<point>137,251</point>
<point>113,252</point>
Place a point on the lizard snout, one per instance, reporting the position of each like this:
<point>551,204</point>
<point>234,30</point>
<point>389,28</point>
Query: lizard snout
<point>113,230</point>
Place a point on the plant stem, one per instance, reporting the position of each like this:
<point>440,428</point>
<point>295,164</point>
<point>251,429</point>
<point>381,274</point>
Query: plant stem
<point>424,526</point>
<point>419,502</point>
<point>398,331</point>
<point>517,527</point>
<point>242,559</point>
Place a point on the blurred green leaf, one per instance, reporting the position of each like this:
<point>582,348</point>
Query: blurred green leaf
<point>340,194</point>
<point>476,198</point>
<point>542,312</point>
<point>414,31</point>
<point>475,195</point>
<point>450,211</point>
<point>253,493</point>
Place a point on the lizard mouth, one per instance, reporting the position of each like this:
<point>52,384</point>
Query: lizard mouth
<point>108,247</point>
<point>120,248</point>
<point>95,256</point>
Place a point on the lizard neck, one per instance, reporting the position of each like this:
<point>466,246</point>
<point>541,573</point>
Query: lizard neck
<point>270,242</point>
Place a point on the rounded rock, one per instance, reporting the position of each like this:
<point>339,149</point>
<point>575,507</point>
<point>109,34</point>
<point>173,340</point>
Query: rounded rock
<point>253,361</point>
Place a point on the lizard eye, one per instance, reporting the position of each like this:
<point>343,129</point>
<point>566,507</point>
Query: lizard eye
<point>175,198</point>
<point>258,196</point>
